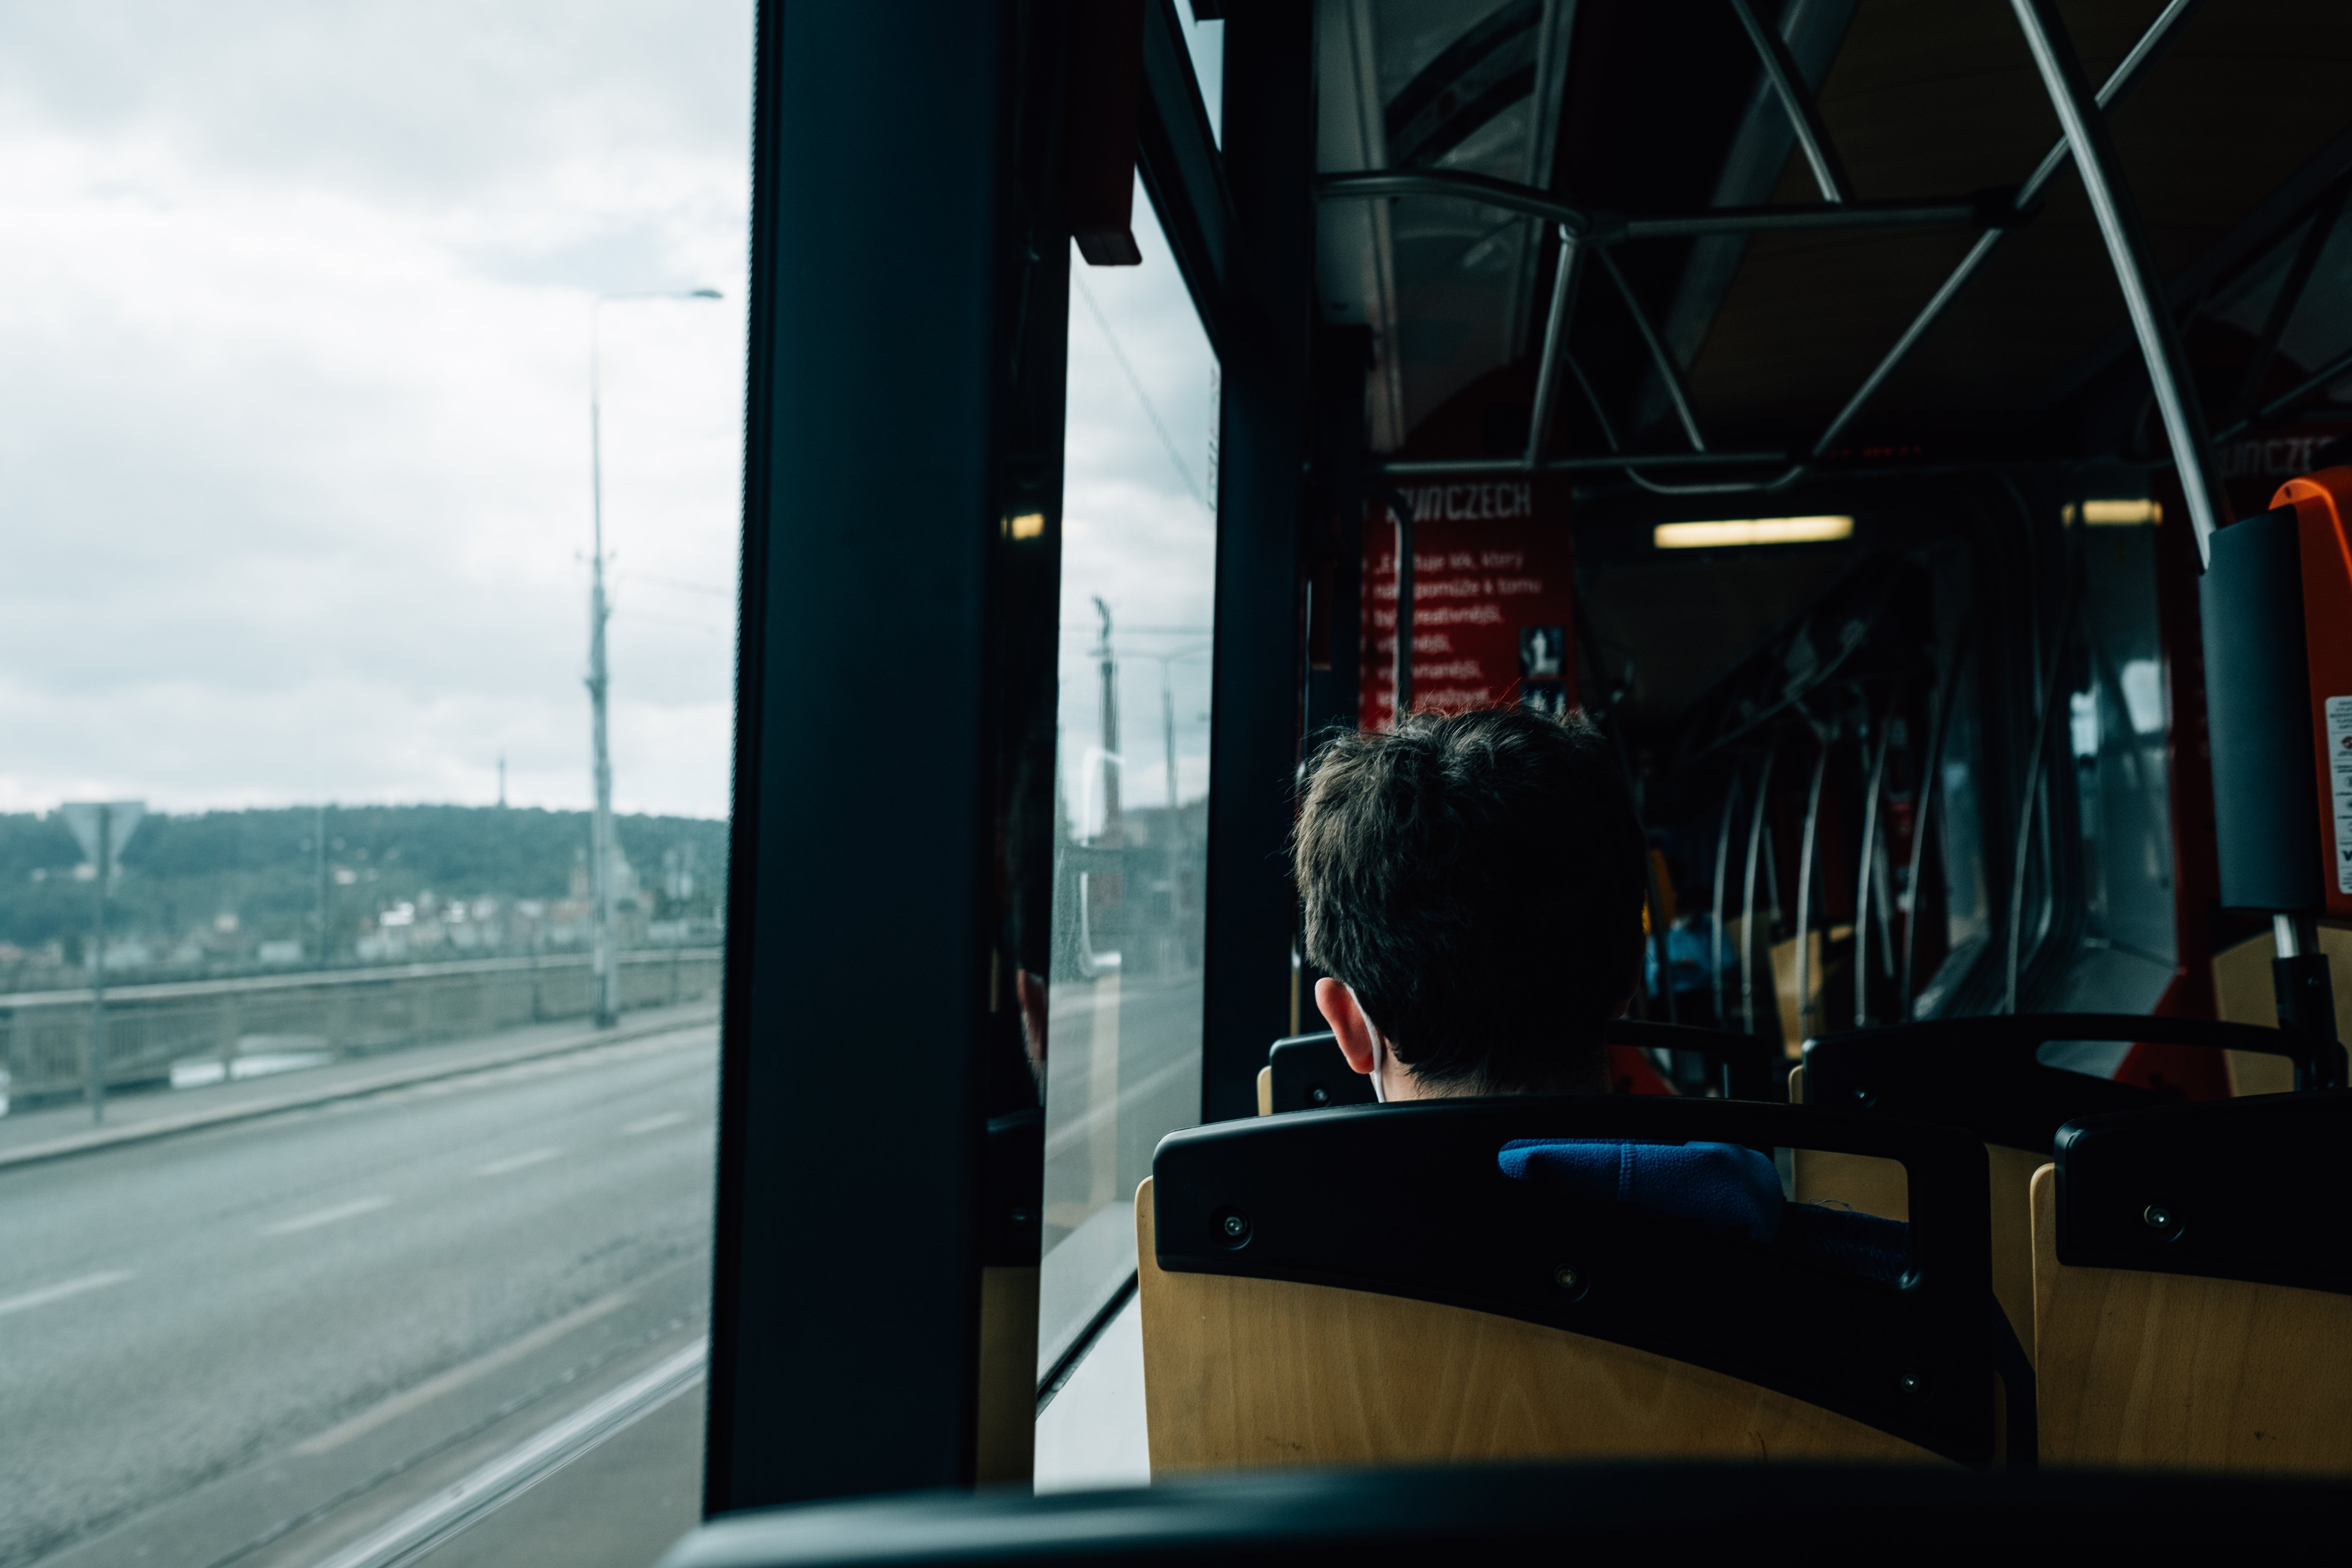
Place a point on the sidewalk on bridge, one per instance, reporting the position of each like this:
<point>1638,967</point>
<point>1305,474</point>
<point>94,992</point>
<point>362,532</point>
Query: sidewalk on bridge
<point>52,1133</point>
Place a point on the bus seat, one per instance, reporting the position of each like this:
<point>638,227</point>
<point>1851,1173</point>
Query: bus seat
<point>1368,1287</point>
<point>2245,991</point>
<point>1983,1074</point>
<point>2193,1288</point>
<point>1306,1072</point>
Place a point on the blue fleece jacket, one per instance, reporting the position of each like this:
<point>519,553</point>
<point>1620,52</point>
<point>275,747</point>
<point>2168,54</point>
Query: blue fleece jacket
<point>1722,1188</point>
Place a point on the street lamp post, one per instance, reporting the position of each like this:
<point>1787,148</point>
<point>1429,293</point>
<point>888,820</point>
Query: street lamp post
<point>599,831</point>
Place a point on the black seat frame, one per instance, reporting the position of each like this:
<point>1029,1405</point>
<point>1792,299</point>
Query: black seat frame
<point>1309,1073</point>
<point>1982,1073</point>
<point>2256,1189</point>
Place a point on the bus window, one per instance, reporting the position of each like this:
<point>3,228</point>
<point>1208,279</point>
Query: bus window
<point>357,1072</point>
<point>1131,768</point>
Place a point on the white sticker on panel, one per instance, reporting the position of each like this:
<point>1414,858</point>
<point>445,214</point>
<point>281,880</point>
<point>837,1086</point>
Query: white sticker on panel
<point>2339,779</point>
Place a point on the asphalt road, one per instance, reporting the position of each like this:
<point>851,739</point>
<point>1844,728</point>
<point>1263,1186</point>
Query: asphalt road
<point>217,1345</point>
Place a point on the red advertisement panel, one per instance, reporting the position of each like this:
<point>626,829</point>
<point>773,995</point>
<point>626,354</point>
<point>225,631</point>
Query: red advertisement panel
<point>1493,599</point>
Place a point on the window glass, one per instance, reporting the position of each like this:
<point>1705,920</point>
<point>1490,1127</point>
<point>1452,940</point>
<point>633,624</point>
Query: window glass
<point>296,305</point>
<point>1206,41</point>
<point>2116,735</point>
<point>1132,772</point>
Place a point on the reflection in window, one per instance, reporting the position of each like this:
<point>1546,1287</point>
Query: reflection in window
<point>2122,798</point>
<point>1131,766</point>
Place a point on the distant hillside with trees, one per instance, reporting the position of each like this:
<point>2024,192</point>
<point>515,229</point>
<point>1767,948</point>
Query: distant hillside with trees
<point>228,892</point>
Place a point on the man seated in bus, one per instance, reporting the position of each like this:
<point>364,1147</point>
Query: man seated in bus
<point>1474,887</point>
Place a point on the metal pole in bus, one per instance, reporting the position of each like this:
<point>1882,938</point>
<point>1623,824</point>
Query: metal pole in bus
<point>2119,225</point>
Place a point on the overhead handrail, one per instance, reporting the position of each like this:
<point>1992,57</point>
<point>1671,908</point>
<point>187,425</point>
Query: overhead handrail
<point>1602,226</point>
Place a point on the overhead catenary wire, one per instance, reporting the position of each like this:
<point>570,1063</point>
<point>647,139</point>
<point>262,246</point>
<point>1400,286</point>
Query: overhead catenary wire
<point>1135,382</point>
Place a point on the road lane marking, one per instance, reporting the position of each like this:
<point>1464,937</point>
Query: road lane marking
<point>654,1123</point>
<point>426,1526</point>
<point>457,1377</point>
<point>63,1288</point>
<point>516,1162</point>
<point>350,1210</point>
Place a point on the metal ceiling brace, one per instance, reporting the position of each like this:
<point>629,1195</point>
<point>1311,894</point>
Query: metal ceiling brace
<point>2291,290</point>
<point>1555,339</point>
<point>1804,114</point>
<point>2119,224</point>
<point>1430,468</point>
<point>1592,401</point>
<point>1658,354</point>
<point>2333,370</point>
<point>2125,77</point>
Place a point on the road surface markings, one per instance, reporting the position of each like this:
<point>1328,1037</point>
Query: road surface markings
<point>63,1288</point>
<point>426,1526</point>
<point>317,1217</point>
<point>654,1123</point>
<point>517,1162</point>
<point>457,1377</point>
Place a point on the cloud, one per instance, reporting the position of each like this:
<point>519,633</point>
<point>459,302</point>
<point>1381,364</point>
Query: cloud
<point>1138,464</point>
<point>294,303</point>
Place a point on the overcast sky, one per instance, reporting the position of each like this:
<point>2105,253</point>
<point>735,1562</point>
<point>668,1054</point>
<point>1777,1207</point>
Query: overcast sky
<point>294,310</point>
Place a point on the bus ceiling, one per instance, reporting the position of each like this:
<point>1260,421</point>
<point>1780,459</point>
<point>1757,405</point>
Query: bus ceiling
<point>1718,247</point>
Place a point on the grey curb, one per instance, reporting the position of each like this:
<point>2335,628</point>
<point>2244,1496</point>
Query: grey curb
<point>101,1138</point>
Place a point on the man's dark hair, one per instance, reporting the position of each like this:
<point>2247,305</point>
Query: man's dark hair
<point>1477,880</point>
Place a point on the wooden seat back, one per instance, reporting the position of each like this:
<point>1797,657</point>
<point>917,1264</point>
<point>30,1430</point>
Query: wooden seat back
<point>1365,1286</point>
<point>1984,1075</point>
<point>2192,1273</point>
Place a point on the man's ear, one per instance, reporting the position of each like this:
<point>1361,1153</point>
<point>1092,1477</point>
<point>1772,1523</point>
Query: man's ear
<point>1349,1024</point>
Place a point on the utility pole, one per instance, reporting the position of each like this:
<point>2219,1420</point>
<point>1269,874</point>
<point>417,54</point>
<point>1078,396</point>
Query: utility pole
<point>319,838</point>
<point>601,875</point>
<point>1114,828</point>
<point>98,969</point>
<point>599,824</point>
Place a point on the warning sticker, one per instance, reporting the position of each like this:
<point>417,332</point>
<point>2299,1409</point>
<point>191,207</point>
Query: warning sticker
<point>2339,778</point>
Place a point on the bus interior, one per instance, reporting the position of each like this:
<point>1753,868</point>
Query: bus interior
<point>1866,414</point>
<point>1919,438</point>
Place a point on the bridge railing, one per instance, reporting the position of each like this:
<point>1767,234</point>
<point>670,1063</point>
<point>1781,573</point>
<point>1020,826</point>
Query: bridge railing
<point>44,1035</point>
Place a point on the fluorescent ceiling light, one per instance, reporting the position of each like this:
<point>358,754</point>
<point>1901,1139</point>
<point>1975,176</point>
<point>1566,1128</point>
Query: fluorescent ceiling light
<point>2111,514</point>
<point>1751,531</point>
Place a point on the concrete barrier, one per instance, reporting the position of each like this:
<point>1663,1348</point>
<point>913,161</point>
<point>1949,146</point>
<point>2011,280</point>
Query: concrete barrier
<point>45,1035</point>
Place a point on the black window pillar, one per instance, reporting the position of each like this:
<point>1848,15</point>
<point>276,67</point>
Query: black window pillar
<point>844,1336</point>
<point>1269,161</point>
